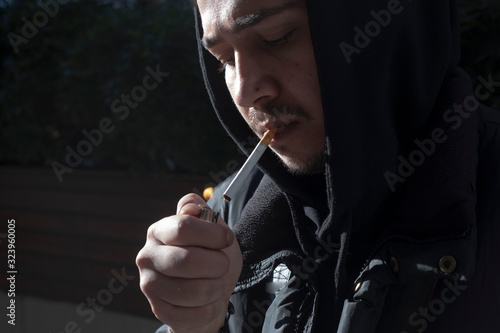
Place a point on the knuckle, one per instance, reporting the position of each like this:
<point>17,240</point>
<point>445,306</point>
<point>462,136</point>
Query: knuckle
<point>141,259</point>
<point>145,257</point>
<point>146,285</point>
<point>182,227</point>
<point>151,231</point>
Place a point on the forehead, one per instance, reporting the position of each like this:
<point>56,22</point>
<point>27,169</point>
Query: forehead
<point>232,15</point>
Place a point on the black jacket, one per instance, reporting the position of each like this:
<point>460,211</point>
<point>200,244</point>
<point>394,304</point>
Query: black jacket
<point>402,232</point>
<point>440,283</point>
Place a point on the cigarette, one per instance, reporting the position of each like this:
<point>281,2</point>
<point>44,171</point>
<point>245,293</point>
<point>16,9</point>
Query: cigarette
<point>250,163</point>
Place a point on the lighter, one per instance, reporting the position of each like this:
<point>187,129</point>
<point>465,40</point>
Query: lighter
<point>208,215</point>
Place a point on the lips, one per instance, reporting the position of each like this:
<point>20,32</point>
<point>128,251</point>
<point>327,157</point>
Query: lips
<point>276,124</point>
<point>284,124</point>
<point>279,124</point>
<point>283,131</point>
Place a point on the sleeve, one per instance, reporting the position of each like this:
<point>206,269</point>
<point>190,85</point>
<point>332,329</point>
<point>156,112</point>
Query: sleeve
<point>163,329</point>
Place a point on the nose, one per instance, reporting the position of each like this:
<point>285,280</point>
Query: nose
<point>252,81</point>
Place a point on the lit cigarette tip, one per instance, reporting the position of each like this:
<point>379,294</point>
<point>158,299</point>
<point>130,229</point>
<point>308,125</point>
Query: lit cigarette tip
<point>250,163</point>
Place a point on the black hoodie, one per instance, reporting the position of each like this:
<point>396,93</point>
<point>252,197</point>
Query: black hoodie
<point>399,198</point>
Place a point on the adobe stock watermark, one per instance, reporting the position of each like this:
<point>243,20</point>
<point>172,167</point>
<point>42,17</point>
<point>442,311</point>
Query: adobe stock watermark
<point>454,117</point>
<point>121,107</point>
<point>29,30</point>
<point>256,318</point>
<point>421,318</point>
<point>372,29</point>
<point>87,310</point>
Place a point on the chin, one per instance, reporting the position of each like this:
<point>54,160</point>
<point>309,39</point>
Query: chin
<point>312,164</point>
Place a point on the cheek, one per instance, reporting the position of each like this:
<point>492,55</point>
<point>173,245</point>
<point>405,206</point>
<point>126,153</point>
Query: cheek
<point>230,82</point>
<point>310,76</point>
<point>312,90</point>
<point>244,113</point>
<point>302,73</point>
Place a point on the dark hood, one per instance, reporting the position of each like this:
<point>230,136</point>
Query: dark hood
<point>397,88</point>
<point>381,90</point>
<point>391,95</point>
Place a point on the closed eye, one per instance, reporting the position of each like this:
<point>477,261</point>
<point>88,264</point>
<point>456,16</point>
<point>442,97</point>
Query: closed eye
<point>273,43</point>
<point>223,64</point>
<point>280,41</point>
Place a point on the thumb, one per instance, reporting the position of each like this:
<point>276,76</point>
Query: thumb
<point>190,204</point>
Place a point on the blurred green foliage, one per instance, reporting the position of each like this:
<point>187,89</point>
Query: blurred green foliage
<point>481,42</point>
<point>65,78</point>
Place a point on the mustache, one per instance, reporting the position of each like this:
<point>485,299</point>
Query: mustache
<point>279,111</point>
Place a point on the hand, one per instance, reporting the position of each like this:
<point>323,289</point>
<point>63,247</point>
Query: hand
<point>189,268</point>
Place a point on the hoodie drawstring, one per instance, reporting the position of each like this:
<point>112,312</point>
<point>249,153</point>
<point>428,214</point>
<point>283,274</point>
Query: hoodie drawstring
<point>340,275</point>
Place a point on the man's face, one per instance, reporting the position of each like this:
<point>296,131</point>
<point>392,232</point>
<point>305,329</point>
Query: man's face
<point>267,57</point>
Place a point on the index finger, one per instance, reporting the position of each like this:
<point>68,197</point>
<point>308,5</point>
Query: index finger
<point>186,230</point>
<point>190,198</point>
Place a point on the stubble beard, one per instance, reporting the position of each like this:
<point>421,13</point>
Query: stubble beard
<point>313,164</point>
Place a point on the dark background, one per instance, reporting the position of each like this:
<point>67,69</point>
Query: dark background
<point>64,81</point>
<point>72,232</point>
<point>65,78</point>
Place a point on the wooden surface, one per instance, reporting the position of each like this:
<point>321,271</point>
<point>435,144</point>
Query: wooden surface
<point>70,236</point>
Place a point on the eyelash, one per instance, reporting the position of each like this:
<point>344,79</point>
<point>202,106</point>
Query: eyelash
<point>222,65</point>
<point>280,41</point>
<point>274,43</point>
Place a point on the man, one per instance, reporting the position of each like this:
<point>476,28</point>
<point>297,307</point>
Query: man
<point>381,191</point>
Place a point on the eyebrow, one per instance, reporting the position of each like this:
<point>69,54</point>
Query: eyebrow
<point>250,20</point>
